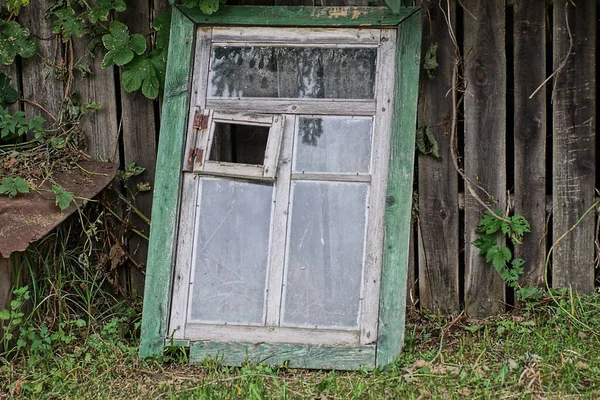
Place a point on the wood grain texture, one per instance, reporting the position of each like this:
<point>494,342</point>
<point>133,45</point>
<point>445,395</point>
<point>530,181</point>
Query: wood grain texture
<point>101,127</point>
<point>166,188</point>
<point>574,144</point>
<point>343,16</point>
<point>294,106</point>
<point>296,356</point>
<point>139,143</point>
<point>39,83</point>
<point>399,193</point>
<point>530,133</point>
<point>6,282</point>
<point>438,245</point>
<point>485,143</point>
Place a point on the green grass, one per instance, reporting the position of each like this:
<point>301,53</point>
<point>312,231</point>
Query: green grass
<point>548,350</point>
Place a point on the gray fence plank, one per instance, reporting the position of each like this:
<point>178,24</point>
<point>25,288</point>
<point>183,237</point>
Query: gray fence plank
<point>438,181</point>
<point>530,133</point>
<point>485,143</point>
<point>574,143</point>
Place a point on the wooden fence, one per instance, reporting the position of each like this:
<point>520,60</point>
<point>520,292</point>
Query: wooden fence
<point>530,146</point>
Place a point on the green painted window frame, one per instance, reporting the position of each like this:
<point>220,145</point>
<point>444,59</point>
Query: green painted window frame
<point>167,185</point>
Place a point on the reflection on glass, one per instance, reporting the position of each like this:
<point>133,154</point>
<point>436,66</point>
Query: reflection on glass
<point>237,143</point>
<point>292,72</point>
<point>333,145</point>
<point>232,245</point>
<point>325,255</point>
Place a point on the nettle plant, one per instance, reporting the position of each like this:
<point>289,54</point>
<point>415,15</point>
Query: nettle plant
<point>491,228</point>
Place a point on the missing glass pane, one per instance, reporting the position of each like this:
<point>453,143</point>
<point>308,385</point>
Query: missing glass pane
<point>237,143</point>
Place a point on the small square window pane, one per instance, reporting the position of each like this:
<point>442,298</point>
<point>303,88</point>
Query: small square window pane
<point>333,145</point>
<point>231,253</point>
<point>325,255</point>
<point>292,72</point>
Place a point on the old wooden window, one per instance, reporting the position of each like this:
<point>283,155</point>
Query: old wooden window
<point>278,232</point>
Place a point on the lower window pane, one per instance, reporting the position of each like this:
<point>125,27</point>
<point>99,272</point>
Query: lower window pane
<point>325,255</point>
<point>231,252</point>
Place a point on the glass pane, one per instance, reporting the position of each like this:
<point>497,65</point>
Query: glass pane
<point>232,246</point>
<point>237,143</point>
<point>333,144</point>
<point>292,72</point>
<point>325,255</point>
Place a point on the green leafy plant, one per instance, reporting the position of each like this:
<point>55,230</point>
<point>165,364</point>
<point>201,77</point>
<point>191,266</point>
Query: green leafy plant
<point>206,6</point>
<point>491,226</point>
<point>13,186</point>
<point>13,317</point>
<point>430,63</point>
<point>63,197</point>
<point>14,41</point>
<point>15,125</point>
<point>426,142</point>
<point>121,45</point>
<point>8,94</point>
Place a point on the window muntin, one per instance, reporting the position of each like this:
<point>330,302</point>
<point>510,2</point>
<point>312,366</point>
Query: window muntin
<point>292,72</point>
<point>252,140</point>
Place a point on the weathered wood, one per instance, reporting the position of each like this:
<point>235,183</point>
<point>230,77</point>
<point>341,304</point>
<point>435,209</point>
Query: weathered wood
<point>293,355</point>
<point>530,134</point>
<point>295,106</point>
<point>39,82</point>
<point>574,143</point>
<point>485,144</point>
<point>399,193</point>
<point>167,183</point>
<point>271,334</point>
<point>285,35</point>
<point>102,126</point>
<point>438,182</point>
<point>139,144</point>
<point>280,224</point>
<point>297,15</point>
<point>6,282</point>
<point>380,156</point>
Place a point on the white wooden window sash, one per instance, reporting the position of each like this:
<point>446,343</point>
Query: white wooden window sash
<point>279,152</point>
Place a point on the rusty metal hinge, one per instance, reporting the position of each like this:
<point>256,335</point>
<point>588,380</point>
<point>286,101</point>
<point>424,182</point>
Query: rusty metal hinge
<point>200,120</point>
<point>196,157</point>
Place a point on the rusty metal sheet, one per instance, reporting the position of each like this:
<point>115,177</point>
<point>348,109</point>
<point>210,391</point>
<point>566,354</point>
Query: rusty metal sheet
<point>27,218</point>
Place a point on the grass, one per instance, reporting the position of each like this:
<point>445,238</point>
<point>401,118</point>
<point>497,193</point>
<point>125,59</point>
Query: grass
<point>549,349</point>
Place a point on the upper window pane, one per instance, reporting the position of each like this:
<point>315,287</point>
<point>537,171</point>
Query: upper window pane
<point>333,145</point>
<point>292,72</point>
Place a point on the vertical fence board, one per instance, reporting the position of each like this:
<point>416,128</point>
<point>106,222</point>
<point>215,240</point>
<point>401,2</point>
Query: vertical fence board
<point>438,182</point>
<point>530,133</point>
<point>100,127</point>
<point>139,142</point>
<point>485,142</point>
<point>39,83</point>
<point>5,281</point>
<point>574,143</point>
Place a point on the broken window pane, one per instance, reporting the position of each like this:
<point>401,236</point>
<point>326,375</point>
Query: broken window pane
<point>293,72</point>
<point>333,145</point>
<point>237,143</point>
<point>325,255</point>
<point>231,254</point>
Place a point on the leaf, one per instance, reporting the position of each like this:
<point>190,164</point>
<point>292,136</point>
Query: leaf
<point>4,315</point>
<point>13,186</point>
<point>484,243</point>
<point>146,73</point>
<point>103,8</point>
<point>63,197</point>
<point>499,256</point>
<point>14,41</point>
<point>8,94</point>
<point>14,6</point>
<point>121,45</point>
<point>430,60</point>
<point>206,6</point>
<point>68,24</point>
